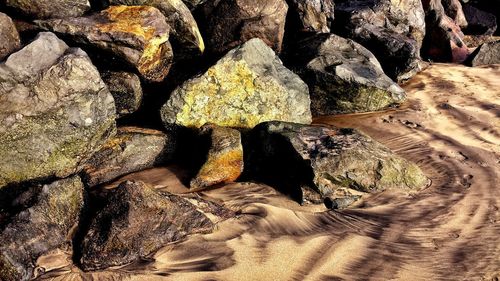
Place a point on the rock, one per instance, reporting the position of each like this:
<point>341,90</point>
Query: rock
<point>41,228</point>
<point>474,41</point>
<point>264,19</point>
<point>44,9</point>
<point>336,162</point>
<point>443,41</point>
<point>137,220</point>
<point>392,30</point>
<point>131,150</point>
<point>55,111</point>
<point>314,16</point>
<point>225,158</point>
<point>344,77</point>
<point>246,87</point>
<point>453,9</point>
<point>9,37</point>
<point>192,4</point>
<point>479,22</point>
<point>184,27</point>
<point>126,90</point>
<point>488,53</point>
<point>136,34</point>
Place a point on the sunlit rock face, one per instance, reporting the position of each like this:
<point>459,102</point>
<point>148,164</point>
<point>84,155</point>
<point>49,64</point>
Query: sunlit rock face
<point>55,111</point>
<point>44,9</point>
<point>224,162</point>
<point>184,27</point>
<point>488,53</point>
<point>344,77</point>
<point>248,86</point>
<point>9,37</point>
<point>315,16</point>
<point>136,34</point>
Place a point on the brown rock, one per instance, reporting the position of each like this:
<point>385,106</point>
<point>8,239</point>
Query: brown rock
<point>136,34</point>
<point>225,158</point>
<point>126,90</point>
<point>9,37</point>
<point>44,9</point>
<point>453,9</point>
<point>315,16</point>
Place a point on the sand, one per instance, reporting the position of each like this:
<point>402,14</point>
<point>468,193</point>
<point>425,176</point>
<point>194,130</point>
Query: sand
<point>450,127</point>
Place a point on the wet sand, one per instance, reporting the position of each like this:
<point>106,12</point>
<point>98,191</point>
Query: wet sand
<point>450,127</point>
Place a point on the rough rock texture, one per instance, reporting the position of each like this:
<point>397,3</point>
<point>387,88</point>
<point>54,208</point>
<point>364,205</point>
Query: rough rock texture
<point>137,220</point>
<point>392,30</point>
<point>126,90</point>
<point>344,77</point>
<point>443,41</point>
<point>453,9</point>
<point>9,37</point>
<point>184,27</point>
<point>335,161</point>
<point>488,53</point>
<point>233,22</point>
<point>225,158</point>
<point>192,4</point>
<point>132,149</point>
<point>136,34</point>
<point>55,111</point>
<point>246,87</point>
<point>40,229</point>
<point>479,22</point>
<point>315,16</point>
<point>44,9</point>
<point>474,41</point>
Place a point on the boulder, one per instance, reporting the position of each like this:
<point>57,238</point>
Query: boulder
<point>184,27</point>
<point>230,23</point>
<point>488,53</point>
<point>45,9</point>
<point>137,220</point>
<point>55,111</point>
<point>337,163</point>
<point>474,41</point>
<point>39,229</point>
<point>314,16</point>
<point>392,30</point>
<point>453,9</point>
<point>344,77</point>
<point>248,86</point>
<point>131,150</point>
<point>138,35</point>
<point>9,37</point>
<point>443,41</point>
<point>224,162</point>
<point>126,90</point>
<point>479,22</point>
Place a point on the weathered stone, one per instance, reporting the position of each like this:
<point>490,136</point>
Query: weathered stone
<point>488,53</point>
<point>474,41</point>
<point>132,149</point>
<point>225,158</point>
<point>9,37</point>
<point>55,111</point>
<point>443,41</point>
<point>337,162</point>
<point>344,77</point>
<point>453,9</point>
<point>233,22</point>
<point>315,16</point>
<point>136,34</point>
<point>137,220</point>
<point>126,90</point>
<point>184,27</point>
<point>44,9</point>
<point>479,22</point>
<point>246,87</point>
<point>41,228</point>
<point>392,30</point>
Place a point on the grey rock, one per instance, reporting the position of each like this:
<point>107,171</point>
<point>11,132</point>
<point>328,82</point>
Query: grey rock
<point>344,77</point>
<point>9,37</point>
<point>488,53</point>
<point>44,9</point>
<point>479,22</point>
<point>41,228</point>
<point>55,111</point>
<point>137,220</point>
<point>248,86</point>
<point>126,90</point>
<point>132,149</point>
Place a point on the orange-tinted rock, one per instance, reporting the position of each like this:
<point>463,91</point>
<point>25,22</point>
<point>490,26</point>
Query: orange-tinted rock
<point>136,34</point>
